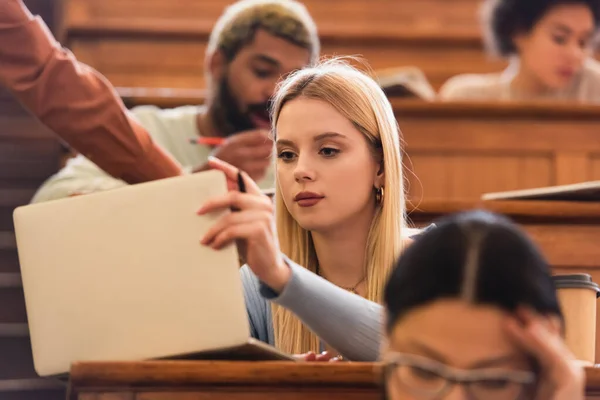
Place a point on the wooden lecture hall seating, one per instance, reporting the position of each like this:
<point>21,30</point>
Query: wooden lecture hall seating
<point>153,51</point>
<point>29,153</point>
<point>187,380</point>
<point>159,45</point>
<point>461,150</point>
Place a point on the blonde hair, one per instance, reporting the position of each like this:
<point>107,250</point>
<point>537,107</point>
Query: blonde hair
<point>287,19</point>
<point>358,98</point>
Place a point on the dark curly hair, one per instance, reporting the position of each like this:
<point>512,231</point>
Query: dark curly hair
<point>502,19</point>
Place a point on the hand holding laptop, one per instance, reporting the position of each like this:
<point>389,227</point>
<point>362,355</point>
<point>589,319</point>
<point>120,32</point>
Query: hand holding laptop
<point>254,223</point>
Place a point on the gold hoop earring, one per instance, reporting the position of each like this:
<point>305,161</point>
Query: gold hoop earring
<point>379,195</point>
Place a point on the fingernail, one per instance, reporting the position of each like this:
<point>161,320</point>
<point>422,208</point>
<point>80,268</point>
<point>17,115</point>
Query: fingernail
<point>212,158</point>
<point>200,211</point>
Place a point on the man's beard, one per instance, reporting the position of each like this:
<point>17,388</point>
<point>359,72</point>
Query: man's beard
<point>227,116</point>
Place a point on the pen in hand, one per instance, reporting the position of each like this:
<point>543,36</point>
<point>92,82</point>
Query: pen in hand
<point>207,141</point>
<point>241,244</point>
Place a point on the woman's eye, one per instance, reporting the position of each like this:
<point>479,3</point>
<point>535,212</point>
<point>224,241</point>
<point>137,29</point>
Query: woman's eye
<point>286,155</point>
<point>329,152</point>
<point>559,39</point>
<point>424,374</point>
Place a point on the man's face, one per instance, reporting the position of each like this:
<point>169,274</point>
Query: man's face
<point>245,85</point>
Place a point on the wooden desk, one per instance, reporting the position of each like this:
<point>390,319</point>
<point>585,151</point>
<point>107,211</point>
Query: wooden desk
<point>567,232</point>
<point>461,150</point>
<point>163,45</point>
<point>190,380</point>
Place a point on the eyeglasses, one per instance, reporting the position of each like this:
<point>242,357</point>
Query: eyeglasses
<point>428,379</point>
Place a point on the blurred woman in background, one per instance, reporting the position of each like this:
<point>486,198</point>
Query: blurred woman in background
<point>549,45</point>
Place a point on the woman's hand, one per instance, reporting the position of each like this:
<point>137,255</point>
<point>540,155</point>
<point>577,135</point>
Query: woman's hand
<point>325,356</point>
<point>561,377</point>
<point>254,224</point>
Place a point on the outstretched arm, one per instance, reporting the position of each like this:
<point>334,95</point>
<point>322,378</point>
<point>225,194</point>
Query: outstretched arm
<point>347,322</point>
<point>74,100</point>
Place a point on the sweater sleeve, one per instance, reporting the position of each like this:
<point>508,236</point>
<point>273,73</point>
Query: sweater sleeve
<point>74,100</point>
<point>347,322</point>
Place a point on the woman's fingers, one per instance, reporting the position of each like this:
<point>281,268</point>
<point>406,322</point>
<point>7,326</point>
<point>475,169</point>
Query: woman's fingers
<point>231,173</point>
<point>250,216</point>
<point>561,378</point>
<point>310,356</point>
<point>241,201</point>
<point>326,356</point>
<point>246,230</point>
<point>535,339</point>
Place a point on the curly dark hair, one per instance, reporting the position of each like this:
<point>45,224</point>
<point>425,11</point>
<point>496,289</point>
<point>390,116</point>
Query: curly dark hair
<point>502,19</point>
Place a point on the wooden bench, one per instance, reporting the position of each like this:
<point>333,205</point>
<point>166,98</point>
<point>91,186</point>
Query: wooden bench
<point>29,153</point>
<point>187,380</point>
<point>461,150</point>
<point>162,44</point>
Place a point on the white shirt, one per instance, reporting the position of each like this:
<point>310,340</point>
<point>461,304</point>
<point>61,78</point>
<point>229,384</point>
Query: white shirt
<point>171,129</point>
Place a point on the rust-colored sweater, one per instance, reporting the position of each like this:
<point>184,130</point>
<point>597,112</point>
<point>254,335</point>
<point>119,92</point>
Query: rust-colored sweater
<point>74,100</point>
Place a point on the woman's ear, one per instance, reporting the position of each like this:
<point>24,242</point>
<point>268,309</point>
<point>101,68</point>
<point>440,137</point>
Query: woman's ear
<point>379,176</point>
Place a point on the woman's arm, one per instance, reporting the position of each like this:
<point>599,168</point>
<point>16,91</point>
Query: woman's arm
<point>347,322</point>
<point>74,101</point>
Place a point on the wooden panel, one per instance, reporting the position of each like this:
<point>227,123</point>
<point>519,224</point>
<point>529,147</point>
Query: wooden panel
<point>9,261</point>
<point>17,360</point>
<point>390,15</point>
<point>572,167</point>
<point>133,62</point>
<point>595,167</point>
<point>122,41</point>
<point>456,175</point>
<point>43,394</point>
<point>225,380</point>
<point>29,153</point>
<point>462,150</point>
<point>12,301</point>
<point>6,220</point>
<point>250,393</point>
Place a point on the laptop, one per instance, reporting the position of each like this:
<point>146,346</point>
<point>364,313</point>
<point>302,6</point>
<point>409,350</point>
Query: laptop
<point>582,191</point>
<point>121,275</point>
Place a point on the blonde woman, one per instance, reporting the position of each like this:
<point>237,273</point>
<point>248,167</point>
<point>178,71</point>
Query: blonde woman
<point>339,202</point>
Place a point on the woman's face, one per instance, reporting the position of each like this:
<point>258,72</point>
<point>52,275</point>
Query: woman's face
<point>326,170</point>
<point>455,334</point>
<point>554,51</point>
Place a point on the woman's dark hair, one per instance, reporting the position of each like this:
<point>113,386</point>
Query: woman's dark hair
<point>502,19</point>
<point>477,256</point>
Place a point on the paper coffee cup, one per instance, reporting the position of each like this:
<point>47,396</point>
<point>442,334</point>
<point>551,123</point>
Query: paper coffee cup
<point>577,294</point>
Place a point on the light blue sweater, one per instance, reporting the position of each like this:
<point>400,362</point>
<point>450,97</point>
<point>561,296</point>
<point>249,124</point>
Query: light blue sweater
<point>348,322</point>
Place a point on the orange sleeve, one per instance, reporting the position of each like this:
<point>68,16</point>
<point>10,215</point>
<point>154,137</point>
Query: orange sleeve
<point>74,100</point>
